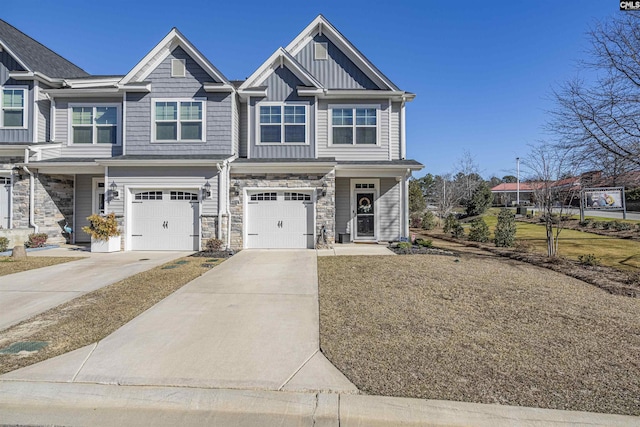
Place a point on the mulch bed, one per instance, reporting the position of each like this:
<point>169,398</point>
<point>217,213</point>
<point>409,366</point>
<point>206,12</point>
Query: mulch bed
<point>610,279</point>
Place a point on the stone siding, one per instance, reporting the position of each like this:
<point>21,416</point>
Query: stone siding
<point>53,205</point>
<point>325,205</point>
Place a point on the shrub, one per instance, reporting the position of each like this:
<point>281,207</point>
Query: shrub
<point>405,247</point>
<point>429,221</point>
<point>416,221</point>
<point>585,223</point>
<point>505,233</point>
<point>607,225</point>
<point>4,244</point>
<point>588,259</point>
<point>101,228</point>
<point>621,226</point>
<point>597,225</point>
<point>449,222</point>
<point>36,240</point>
<point>479,231</point>
<point>457,231</point>
<point>522,246</point>
<point>424,243</point>
<point>214,245</point>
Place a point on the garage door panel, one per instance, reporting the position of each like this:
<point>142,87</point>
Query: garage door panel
<point>283,220</point>
<point>165,221</point>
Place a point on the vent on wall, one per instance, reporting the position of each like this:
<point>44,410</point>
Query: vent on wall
<point>178,68</point>
<point>320,51</point>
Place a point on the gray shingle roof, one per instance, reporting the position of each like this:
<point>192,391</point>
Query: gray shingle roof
<point>171,157</point>
<point>284,160</point>
<point>37,56</point>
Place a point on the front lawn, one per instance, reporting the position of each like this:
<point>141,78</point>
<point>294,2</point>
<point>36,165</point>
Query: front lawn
<point>479,328</point>
<point>9,266</point>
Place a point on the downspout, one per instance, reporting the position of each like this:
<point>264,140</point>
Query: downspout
<point>32,187</point>
<point>228,207</point>
<point>220,178</point>
<point>406,203</point>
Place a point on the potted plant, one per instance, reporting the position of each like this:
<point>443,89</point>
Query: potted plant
<point>103,229</point>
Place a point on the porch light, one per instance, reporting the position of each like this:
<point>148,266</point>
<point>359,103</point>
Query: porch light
<point>324,189</point>
<point>206,190</point>
<point>113,188</point>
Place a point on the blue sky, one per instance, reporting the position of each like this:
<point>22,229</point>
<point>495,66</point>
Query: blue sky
<point>483,71</point>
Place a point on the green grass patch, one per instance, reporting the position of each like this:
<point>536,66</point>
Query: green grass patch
<point>610,251</point>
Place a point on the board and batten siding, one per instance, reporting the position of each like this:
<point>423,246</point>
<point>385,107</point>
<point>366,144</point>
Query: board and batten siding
<point>16,135</point>
<point>388,209</point>
<point>395,130</point>
<point>153,178</point>
<point>62,120</point>
<point>43,107</point>
<point>354,152</point>
<point>335,72</point>
<point>84,205</point>
<point>244,126</point>
<point>218,119</point>
<point>281,87</point>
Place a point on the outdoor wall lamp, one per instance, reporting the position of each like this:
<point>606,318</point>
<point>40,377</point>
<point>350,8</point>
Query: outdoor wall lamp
<point>206,190</point>
<point>324,189</point>
<point>113,188</point>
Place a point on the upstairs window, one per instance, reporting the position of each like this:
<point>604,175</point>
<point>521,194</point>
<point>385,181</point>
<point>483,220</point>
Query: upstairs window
<point>354,125</point>
<point>13,107</point>
<point>283,124</point>
<point>94,124</point>
<point>179,121</point>
<point>178,68</point>
<point>320,51</point>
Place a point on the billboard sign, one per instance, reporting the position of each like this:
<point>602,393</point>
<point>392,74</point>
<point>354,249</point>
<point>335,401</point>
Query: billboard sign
<point>604,198</point>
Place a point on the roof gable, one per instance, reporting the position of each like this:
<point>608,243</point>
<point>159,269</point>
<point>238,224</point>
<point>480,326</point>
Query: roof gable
<point>281,58</point>
<point>34,56</point>
<point>321,26</point>
<point>162,50</point>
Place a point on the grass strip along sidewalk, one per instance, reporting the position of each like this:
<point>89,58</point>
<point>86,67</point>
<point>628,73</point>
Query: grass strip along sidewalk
<point>10,266</point>
<point>93,316</point>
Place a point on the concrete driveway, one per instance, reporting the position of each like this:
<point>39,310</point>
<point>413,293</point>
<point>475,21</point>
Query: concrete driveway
<point>250,323</point>
<point>28,293</point>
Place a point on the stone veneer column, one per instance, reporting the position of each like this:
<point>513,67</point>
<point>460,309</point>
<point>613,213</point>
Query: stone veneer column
<point>53,204</point>
<point>325,205</point>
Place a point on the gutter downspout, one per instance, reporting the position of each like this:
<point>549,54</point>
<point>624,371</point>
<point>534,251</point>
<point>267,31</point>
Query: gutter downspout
<point>32,185</point>
<point>220,178</point>
<point>228,204</point>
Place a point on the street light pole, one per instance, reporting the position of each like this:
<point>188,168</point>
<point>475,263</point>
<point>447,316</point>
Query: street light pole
<point>518,181</point>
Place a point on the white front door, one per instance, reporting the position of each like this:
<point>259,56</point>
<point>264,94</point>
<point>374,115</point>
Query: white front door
<point>279,219</point>
<point>164,220</point>
<point>5,191</point>
<point>98,196</point>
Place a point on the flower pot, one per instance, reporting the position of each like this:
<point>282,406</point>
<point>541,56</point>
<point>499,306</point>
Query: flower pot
<point>111,245</point>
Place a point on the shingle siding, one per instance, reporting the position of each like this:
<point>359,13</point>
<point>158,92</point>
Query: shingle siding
<point>218,111</point>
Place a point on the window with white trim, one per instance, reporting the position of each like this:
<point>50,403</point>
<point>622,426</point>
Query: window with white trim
<point>178,120</point>
<point>178,68</point>
<point>283,123</point>
<point>14,107</point>
<point>320,51</point>
<point>95,124</point>
<point>354,125</point>
<point>264,197</point>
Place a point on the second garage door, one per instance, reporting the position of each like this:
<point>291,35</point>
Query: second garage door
<point>279,219</point>
<point>165,220</point>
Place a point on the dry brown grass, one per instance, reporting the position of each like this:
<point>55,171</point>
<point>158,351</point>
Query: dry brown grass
<point>93,316</point>
<point>481,329</point>
<point>9,266</point>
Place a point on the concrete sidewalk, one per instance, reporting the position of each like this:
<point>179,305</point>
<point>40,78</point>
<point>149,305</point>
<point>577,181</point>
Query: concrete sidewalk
<point>252,322</point>
<point>23,403</point>
<point>28,293</point>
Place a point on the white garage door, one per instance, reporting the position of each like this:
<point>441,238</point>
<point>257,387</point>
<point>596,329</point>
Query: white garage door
<point>5,185</point>
<point>279,219</point>
<point>165,220</point>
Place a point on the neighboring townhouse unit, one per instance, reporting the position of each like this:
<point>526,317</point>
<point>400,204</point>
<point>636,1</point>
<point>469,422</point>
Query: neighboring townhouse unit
<point>311,146</point>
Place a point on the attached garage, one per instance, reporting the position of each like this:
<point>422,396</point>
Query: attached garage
<point>279,219</point>
<point>165,220</point>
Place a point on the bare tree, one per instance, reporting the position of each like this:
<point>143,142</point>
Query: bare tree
<point>603,113</point>
<point>555,187</point>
